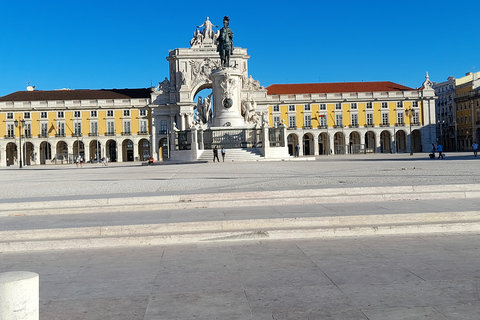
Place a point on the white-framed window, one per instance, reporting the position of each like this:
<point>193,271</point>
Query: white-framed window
<point>323,120</point>
<point>306,107</point>
<point>354,119</point>
<point>163,126</point>
<point>292,122</point>
<point>384,105</point>
<point>126,113</point>
<point>94,128</point>
<point>323,106</point>
<point>61,129</point>
<point>385,119</point>
<point>9,115</point>
<point>338,106</point>
<point>276,108</point>
<point>143,113</point>
<point>339,120</point>
<point>27,129</point>
<point>110,127</point>
<point>353,105</point>
<point>44,129</point>
<point>308,120</point>
<point>416,118</point>
<point>126,127</point>
<point>93,114</point>
<point>43,114</point>
<point>77,114</point>
<point>276,120</point>
<point>368,105</point>
<point>400,118</point>
<point>10,130</point>
<point>143,127</point>
<point>60,114</point>
<point>78,128</point>
<point>369,119</point>
<point>399,104</point>
<point>109,113</point>
<point>291,107</point>
<point>415,104</point>
<point>26,115</point>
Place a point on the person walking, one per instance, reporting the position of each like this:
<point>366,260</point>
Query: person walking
<point>440,151</point>
<point>297,150</point>
<point>223,154</point>
<point>475,148</point>
<point>215,154</point>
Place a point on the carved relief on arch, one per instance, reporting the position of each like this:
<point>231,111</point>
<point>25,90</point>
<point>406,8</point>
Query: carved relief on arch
<point>201,70</point>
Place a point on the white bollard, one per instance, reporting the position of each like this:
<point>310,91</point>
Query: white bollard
<point>19,295</point>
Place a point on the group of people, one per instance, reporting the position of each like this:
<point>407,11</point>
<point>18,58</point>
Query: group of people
<point>215,154</point>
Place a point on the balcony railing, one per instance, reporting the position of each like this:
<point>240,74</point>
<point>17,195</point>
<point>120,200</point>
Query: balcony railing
<point>142,133</point>
<point>60,135</point>
<point>126,133</point>
<point>93,134</point>
<point>9,136</point>
<point>109,134</point>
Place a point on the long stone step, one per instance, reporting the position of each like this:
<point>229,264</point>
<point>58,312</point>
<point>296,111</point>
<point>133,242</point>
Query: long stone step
<point>237,230</point>
<point>240,199</point>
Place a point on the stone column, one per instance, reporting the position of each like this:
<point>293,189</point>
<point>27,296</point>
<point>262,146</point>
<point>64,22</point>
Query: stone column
<point>227,104</point>
<point>19,295</point>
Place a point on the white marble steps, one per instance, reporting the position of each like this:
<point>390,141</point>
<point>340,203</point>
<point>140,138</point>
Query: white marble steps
<point>233,155</point>
<point>241,199</point>
<point>210,232</point>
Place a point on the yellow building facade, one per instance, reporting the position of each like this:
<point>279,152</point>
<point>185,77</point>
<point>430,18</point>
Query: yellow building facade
<point>62,125</point>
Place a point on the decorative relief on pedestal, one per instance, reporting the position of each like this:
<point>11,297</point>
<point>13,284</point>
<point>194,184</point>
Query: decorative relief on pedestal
<point>250,84</point>
<point>228,85</point>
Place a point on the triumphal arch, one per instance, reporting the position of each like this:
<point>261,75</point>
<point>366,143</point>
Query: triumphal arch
<point>209,99</point>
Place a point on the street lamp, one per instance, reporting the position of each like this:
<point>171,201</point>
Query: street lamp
<point>22,124</point>
<point>409,114</point>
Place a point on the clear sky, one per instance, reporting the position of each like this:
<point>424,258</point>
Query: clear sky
<point>123,44</point>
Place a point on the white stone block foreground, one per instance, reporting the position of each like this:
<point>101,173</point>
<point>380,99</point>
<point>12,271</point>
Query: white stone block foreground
<point>19,295</point>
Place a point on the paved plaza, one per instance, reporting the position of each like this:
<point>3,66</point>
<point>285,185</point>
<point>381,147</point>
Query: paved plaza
<point>427,273</point>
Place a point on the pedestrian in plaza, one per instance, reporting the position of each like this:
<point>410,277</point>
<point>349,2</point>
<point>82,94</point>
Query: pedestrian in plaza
<point>475,148</point>
<point>223,154</point>
<point>80,159</point>
<point>432,155</point>
<point>297,150</point>
<point>215,154</point>
<point>440,151</point>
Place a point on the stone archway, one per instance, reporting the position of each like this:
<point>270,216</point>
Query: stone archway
<point>95,149</point>
<point>308,148</point>
<point>416,141</point>
<point>163,149</point>
<point>401,141</point>
<point>339,143</point>
<point>61,153</point>
<point>78,149</point>
<point>45,152</point>
<point>28,154</point>
<point>370,141</point>
<point>11,151</point>
<point>323,143</point>
<point>385,142</point>
<point>111,150</point>
<point>354,145</point>
<point>144,150</point>
<point>127,150</point>
<point>292,141</point>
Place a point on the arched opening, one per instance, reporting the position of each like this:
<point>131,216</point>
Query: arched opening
<point>127,150</point>
<point>292,141</point>
<point>45,152</point>
<point>370,141</point>
<point>339,143</point>
<point>111,150</point>
<point>61,153</point>
<point>203,110</point>
<point>28,154</point>
<point>354,143</point>
<point>323,143</point>
<point>308,144</point>
<point>78,149</point>
<point>416,141</point>
<point>144,150</point>
<point>385,142</point>
<point>95,151</point>
<point>401,141</point>
<point>11,153</point>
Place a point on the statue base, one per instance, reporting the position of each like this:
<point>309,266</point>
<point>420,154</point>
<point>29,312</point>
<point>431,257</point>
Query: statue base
<point>226,88</point>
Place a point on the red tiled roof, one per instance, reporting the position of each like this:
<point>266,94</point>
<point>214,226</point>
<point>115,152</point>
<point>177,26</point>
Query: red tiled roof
<point>338,87</point>
<point>39,95</point>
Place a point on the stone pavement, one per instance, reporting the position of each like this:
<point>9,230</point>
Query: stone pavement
<point>411,273</point>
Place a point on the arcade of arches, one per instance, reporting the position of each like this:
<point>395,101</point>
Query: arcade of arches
<point>355,142</point>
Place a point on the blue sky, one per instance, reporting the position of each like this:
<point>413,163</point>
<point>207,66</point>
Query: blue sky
<point>123,44</point>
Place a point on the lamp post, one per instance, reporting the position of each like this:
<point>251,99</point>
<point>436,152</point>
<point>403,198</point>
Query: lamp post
<point>409,114</point>
<point>20,124</point>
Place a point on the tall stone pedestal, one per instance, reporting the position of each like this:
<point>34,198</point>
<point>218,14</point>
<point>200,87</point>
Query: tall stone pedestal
<point>19,295</point>
<point>227,106</point>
